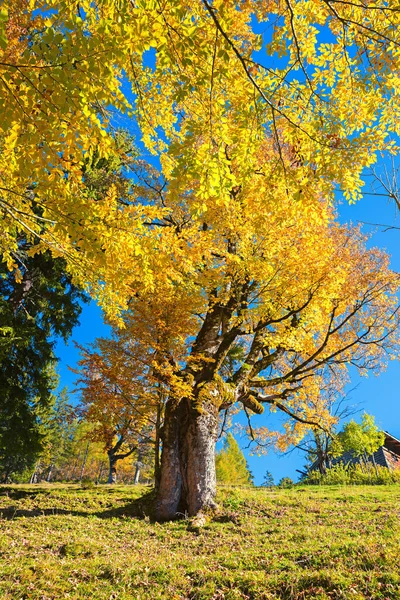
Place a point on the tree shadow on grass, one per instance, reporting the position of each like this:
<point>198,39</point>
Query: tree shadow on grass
<point>140,508</point>
<point>20,494</point>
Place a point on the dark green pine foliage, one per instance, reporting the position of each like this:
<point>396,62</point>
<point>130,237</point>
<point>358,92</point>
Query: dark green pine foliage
<point>231,464</point>
<point>34,312</point>
<point>268,480</point>
<point>58,427</point>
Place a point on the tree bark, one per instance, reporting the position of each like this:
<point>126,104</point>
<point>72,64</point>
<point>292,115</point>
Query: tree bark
<point>100,473</point>
<point>35,476</point>
<point>188,478</point>
<point>322,465</point>
<point>136,477</point>
<point>84,461</point>
<point>7,474</point>
<point>112,472</point>
<point>170,487</point>
<point>157,447</point>
<point>49,474</point>
<point>138,466</point>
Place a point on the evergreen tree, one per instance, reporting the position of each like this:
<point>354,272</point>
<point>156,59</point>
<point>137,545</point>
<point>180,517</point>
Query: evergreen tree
<point>58,428</point>
<point>231,464</point>
<point>34,310</point>
<point>268,480</point>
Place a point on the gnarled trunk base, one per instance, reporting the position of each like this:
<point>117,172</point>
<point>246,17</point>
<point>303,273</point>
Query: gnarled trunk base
<point>188,479</point>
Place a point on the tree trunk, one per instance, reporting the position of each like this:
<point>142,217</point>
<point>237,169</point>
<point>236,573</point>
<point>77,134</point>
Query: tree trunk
<point>188,478</point>
<point>6,475</point>
<point>49,474</point>
<point>84,461</point>
<point>322,466</point>
<point>136,477</point>
<point>114,457</point>
<point>169,490</point>
<point>34,477</point>
<point>157,446</point>
<point>73,471</point>
<point>112,473</point>
<point>100,473</point>
<point>374,463</point>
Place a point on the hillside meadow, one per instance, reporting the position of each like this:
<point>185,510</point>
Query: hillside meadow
<point>101,543</point>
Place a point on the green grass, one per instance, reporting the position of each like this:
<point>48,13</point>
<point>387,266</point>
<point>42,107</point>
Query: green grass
<point>61,542</point>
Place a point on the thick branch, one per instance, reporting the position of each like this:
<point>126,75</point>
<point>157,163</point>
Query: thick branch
<point>273,399</point>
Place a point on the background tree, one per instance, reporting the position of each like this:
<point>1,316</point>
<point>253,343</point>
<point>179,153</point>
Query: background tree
<point>34,310</point>
<point>58,428</point>
<point>118,399</point>
<point>86,458</point>
<point>324,448</point>
<point>361,439</point>
<point>286,482</point>
<point>268,480</point>
<point>231,464</point>
<point>321,445</point>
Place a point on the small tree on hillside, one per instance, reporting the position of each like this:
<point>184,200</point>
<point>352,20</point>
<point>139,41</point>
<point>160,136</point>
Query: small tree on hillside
<point>231,464</point>
<point>361,439</point>
<point>268,480</point>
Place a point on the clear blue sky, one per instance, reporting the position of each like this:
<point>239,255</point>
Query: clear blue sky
<point>376,395</point>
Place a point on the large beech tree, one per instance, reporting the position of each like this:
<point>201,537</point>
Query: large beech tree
<point>299,294</point>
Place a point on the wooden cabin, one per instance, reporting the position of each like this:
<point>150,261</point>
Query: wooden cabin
<point>388,455</point>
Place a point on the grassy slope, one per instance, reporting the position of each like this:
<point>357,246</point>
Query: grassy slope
<point>65,542</point>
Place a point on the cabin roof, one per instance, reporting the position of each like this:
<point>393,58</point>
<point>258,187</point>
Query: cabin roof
<point>392,443</point>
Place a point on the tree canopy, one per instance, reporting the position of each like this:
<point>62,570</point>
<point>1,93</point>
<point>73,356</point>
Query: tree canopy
<point>361,439</point>
<point>206,91</point>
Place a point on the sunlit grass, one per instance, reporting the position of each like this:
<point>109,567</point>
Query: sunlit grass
<point>316,542</point>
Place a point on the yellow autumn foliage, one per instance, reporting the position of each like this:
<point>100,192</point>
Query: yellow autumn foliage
<point>294,114</point>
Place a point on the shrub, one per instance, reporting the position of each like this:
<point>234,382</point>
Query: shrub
<point>286,482</point>
<point>87,483</point>
<point>342,474</point>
